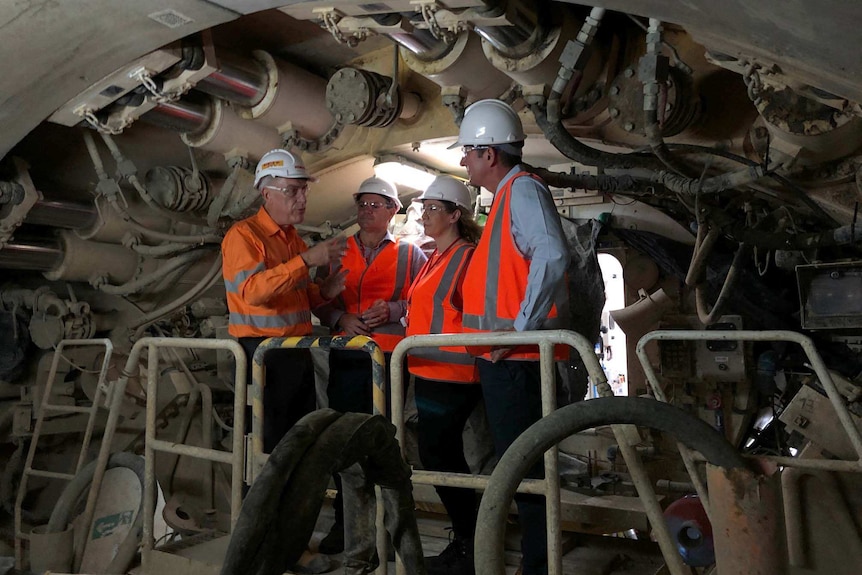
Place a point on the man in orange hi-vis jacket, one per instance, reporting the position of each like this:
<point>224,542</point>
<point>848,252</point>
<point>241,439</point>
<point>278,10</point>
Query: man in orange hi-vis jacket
<point>269,290</point>
<point>515,282</point>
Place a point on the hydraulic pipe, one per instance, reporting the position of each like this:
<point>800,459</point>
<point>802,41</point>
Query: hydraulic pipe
<point>41,255</point>
<point>181,116</point>
<point>62,214</point>
<point>516,40</point>
<point>421,43</point>
<point>239,80</point>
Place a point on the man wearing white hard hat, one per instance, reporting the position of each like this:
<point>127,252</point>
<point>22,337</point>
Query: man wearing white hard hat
<point>269,290</point>
<point>380,269</point>
<point>515,282</point>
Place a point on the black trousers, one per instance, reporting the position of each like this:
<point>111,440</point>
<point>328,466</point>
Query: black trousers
<point>443,411</point>
<point>513,402</point>
<point>288,393</point>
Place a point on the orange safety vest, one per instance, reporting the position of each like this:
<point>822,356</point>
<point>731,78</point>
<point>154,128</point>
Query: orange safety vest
<point>496,281</point>
<point>431,309</point>
<point>269,293</point>
<point>387,278</point>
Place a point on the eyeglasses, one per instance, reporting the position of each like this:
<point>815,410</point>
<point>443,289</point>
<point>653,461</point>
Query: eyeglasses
<point>290,192</point>
<point>431,208</point>
<point>373,205</point>
<point>467,149</point>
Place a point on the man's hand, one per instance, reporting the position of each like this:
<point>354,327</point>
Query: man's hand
<point>326,252</point>
<point>351,324</point>
<point>377,314</point>
<point>333,285</point>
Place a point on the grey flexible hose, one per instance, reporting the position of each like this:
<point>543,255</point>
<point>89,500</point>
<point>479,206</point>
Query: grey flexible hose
<point>529,447</point>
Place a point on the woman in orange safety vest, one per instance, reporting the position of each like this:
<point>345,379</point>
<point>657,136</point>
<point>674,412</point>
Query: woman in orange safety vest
<point>445,377</point>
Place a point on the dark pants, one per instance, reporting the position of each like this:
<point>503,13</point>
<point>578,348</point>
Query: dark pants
<point>443,411</point>
<point>513,402</point>
<point>350,390</point>
<point>288,392</point>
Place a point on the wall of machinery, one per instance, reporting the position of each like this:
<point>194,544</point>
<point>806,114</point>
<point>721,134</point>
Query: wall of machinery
<point>724,181</point>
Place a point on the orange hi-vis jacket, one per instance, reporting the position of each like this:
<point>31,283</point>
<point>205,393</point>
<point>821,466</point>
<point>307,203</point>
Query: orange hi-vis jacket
<point>269,292</point>
<point>434,306</point>
<point>387,278</point>
<point>496,281</point>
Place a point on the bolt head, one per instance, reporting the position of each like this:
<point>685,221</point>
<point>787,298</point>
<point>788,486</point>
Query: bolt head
<point>629,126</point>
<point>614,112</point>
<point>614,90</point>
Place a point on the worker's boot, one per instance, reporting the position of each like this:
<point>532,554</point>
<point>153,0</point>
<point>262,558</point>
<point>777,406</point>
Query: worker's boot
<point>456,559</point>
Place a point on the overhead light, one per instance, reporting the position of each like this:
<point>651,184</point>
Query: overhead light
<point>402,172</point>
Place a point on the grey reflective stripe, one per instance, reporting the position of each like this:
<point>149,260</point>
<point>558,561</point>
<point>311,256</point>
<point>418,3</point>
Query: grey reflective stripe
<point>484,323</point>
<point>444,287</point>
<point>232,286</point>
<point>443,356</point>
<point>271,321</point>
<point>490,321</point>
<point>402,271</point>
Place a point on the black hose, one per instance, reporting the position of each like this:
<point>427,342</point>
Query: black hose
<point>575,150</point>
<point>548,431</point>
<point>282,506</point>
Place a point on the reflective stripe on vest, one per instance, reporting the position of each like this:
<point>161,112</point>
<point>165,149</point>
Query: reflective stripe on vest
<point>282,321</point>
<point>232,286</point>
<point>386,278</point>
<point>451,364</point>
<point>493,295</point>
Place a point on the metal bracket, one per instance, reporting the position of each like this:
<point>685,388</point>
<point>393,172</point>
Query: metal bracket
<point>89,116</point>
<point>330,17</point>
<point>292,138</point>
<point>429,9</point>
<point>16,215</point>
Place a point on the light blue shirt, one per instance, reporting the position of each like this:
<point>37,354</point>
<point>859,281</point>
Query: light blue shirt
<point>538,235</point>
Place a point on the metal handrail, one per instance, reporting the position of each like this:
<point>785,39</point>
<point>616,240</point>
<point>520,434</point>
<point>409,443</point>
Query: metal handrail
<point>378,377</point>
<point>235,458</point>
<point>817,364</point>
<point>359,343</point>
<point>546,341</point>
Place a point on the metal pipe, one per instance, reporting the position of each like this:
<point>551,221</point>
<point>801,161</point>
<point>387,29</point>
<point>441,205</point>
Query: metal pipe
<point>516,40</point>
<point>746,521</point>
<point>185,116</point>
<point>40,255</point>
<point>62,214</point>
<point>420,42</point>
<point>814,358</point>
<point>239,80</point>
<point>551,460</point>
<point>794,519</point>
<point>139,283</point>
<point>207,437</point>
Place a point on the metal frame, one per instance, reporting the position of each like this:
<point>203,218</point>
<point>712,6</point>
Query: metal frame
<point>235,458</point>
<point>817,364</point>
<point>378,377</point>
<point>550,486</point>
<point>45,406</point>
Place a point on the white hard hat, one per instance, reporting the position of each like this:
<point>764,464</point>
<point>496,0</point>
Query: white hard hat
<point>379,187</point>
<point>280,164</point>
<point>449,189</point>
<point>489,123</point>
